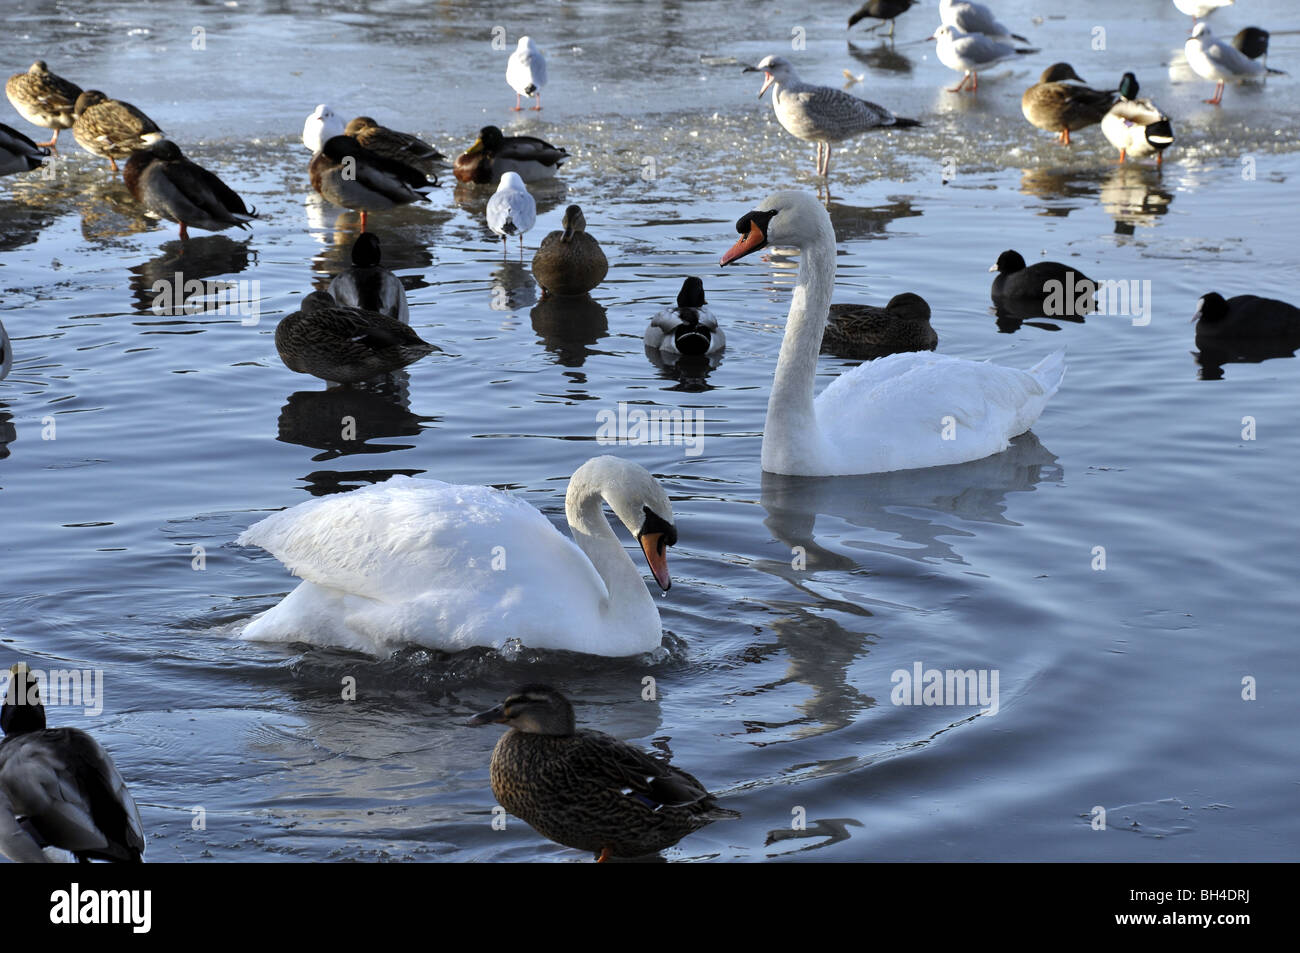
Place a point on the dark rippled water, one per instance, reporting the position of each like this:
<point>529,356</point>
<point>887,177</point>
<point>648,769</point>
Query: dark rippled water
<point>1119,688</point>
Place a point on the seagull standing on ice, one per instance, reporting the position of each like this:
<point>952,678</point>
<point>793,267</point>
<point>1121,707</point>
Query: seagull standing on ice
<point>1217,60</point>
<point>968,53</point>
<point>511,210</point>
<point>526,71</point>
<point>1200,9</point>
<point>819,114</point>
<point>976,18</point>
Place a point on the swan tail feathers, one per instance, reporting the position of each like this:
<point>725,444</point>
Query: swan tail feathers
<point>1050,371</point>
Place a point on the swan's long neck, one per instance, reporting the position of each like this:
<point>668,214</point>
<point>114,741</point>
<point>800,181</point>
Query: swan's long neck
<point>629,599</point>
<point>791,432</point>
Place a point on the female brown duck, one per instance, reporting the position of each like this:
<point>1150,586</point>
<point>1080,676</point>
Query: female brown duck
<point>570,262</point>
<point>586,789</point>
<point>110,128</point>
<point>44,99</point>
<point>1060,102</point>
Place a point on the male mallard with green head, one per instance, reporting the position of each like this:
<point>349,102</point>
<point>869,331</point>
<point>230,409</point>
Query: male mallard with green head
<point>1137,127</point>
<point>586,789</point>
<point>493,154</point>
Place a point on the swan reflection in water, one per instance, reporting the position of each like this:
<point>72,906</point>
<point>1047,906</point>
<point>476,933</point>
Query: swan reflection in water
<point>885,506</point>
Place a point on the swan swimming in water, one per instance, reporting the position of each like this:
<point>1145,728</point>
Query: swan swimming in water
<point>901,412</point>
<point>448,567</point>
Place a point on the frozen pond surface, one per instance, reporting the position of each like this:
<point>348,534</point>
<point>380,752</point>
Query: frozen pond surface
<point>1119,688</point>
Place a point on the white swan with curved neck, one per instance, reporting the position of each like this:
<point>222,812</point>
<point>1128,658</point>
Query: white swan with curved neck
<point>428,563</point>
<point>900,412</point>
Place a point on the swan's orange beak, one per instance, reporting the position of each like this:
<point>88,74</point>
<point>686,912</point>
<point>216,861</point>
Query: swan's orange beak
<point>656,556</point>
<point>751,242</point>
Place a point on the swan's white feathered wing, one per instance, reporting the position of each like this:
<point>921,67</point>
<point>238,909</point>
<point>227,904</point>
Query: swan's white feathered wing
<point>891,413</point>
<point>423,562</point>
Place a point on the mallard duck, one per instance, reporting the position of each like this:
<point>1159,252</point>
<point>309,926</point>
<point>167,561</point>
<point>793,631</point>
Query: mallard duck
<point>1135,126</point>
<point>320,127</point>
<point>493,154</point>
<point>586,789</point>
<point>689,329</point>
<point>345,345</point>
<point>1246,316</point>
<point>18,153</point>
<point>570,262</point>
<point>1212,58</point>
<point>44,99</point>
<point>881,10</point>
<point>368,284</point>
<point>391,144</point>
<point>1040,282</point>
<point>1060,102</point>
<point>170,186</point>
<point>370,182</point>
<point>863,332</point>
<point>59,788</point>
<point>6,353</point>
<point>511,210</point>
<point>526,72</point>
<point>110,128</point>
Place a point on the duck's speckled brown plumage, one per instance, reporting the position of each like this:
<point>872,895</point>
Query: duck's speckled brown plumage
<point>588,790</point>
<point>863,332</point>
<point>110,128</point>
<point>44,99</point>
<point>391,144</point>
<point>1064,107</point>
<point>569,261</point>
<point>345,345</point>
<point>493,154</point>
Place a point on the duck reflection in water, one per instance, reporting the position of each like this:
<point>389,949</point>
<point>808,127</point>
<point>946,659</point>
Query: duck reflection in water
<point>177,281</point>
<point>343,421</point>
<point>569,326</point>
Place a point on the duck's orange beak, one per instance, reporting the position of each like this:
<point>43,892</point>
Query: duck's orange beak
<point>751,242</point>
<point>656,556</point>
